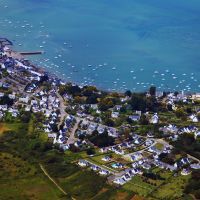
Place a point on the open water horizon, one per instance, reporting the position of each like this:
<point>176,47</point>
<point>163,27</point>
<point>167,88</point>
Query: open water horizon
<point>115,45</point>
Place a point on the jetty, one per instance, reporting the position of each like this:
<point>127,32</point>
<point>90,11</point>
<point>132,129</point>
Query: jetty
<point>5,42</point>
<point>31,53</point>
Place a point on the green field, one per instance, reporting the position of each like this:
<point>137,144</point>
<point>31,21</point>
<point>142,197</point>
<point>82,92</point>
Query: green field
<point>172,188</point>
<point>21,180</point>
<point>23,148</point>
<point>138,186</point>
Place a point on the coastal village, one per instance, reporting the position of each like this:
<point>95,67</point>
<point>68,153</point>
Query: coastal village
<point>123,136</point>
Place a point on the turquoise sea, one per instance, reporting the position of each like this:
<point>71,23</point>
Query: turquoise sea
<point>113,44</point>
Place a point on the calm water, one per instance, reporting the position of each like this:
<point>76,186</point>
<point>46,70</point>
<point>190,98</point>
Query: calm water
<point>115,44</point>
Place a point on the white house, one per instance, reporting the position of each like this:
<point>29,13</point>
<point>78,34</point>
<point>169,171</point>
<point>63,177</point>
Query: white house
<point>24,99</point>
<point>4,107</point>
<point>103,172</point>
<point>194,118</point>
<point>154,119</point>
<point>115,114</point>
<point>185,172</point>
<point>11,96</point>
<point>106,158</point>
<point>83,163</point>
<point>119,181</point>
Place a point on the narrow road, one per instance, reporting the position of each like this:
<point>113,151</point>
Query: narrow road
<point>127,156</point>
<point>72,138</point>
<point>62,109</point>
<point>193,158</point>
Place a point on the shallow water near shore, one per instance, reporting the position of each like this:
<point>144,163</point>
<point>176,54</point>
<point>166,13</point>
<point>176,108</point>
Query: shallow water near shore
<point>115,45</point>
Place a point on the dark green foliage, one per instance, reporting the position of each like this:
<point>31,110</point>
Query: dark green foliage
<point>167,158</point>
<point>144,120</point>
<point>90,151</point>
<point>128,93</point>
<point>105,104</point>
<point>138,102</point>
<point>6,100</point>
<point>25,116</point>
<point>152,104</point>
<point>92,99</point>
<point>70,89</point>
<point>186,142</point>
<point>89,90</point>
<point>101,140</point>
<point>152,176</point>
<point>54,127</point>
<point>180,113</point>
<point>109,122</point>
<point>169,107</point>
<point>193,184</point>
<point>152,91</point>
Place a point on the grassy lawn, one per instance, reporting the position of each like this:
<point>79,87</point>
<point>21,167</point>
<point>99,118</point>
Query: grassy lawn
<point>3,128</point>
<point>113,194</point>
<point>82,184</point>
<point>118,158</point>
<point>98,159</point>
<point>20,180</point>
<point>138,186</point>
<point>9,126</point>
<point>172,189</point>
<point>31,126</point>
<point>29,188</point>
<point>74,157</point>
<point>159,146</point>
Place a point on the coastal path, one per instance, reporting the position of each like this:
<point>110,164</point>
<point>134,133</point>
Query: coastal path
<point>51,179</point>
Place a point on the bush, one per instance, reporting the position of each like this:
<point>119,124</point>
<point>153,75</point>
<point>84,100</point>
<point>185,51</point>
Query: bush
<point>90,151</point>
<point>102,140</point>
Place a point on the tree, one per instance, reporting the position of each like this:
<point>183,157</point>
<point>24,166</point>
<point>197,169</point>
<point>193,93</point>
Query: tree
<point>92,99</point>
<point>89,90</point>
<point>138,102</point>
<point>164,94</point>
<point>152,90</point>
<point>180,113</point>
<point>109,122</point>
<point>25,116</point>
<point>128,93</point>
<point>169,107</point>
<point>54,128</point>
<point>90,151</point>
<point>152,104</point>
<point>198,116</point>
<point>78,100</point>
<point>101,140</point>
<point>144,120</point>
<point>105,104</point>
<point>6,100</point>
<point>123,109</point>
<point>70,89</point>
<point>189,110</point>
<point>176,93</point>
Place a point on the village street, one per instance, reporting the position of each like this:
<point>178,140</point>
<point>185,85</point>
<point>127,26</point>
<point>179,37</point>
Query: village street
<point>72,138</point>
<point>62,108</point>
